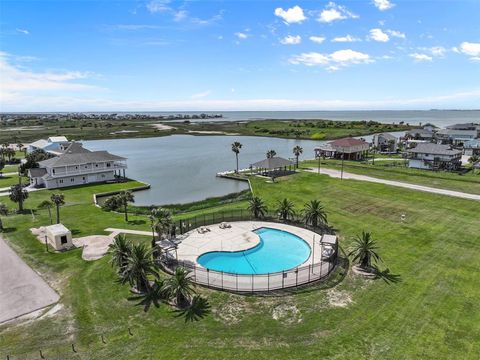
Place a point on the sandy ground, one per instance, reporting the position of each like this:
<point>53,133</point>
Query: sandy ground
<point>94,246</point>
<point>337,174</point>
<point>163,127</point>
<point>22,290</point>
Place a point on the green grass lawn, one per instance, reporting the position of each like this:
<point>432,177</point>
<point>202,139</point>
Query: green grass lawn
<point>468,182</point>
<point>431,313</point>
<point>9,180</point>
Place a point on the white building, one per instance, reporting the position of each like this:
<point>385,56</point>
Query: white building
<point>59,237</point>
<point>51,145</point>
<point>434,157</point>
<point>77,166</point>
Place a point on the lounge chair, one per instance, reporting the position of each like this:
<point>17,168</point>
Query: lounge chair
<point>224,225</point>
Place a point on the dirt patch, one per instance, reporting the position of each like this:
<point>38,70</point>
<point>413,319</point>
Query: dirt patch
<point>163,127</point>
<point>232,312</point>
<point>339,298</point>
<point>94,246</point>
<point>287,314</point>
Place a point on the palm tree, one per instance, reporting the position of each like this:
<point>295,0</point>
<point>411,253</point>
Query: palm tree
<point>257,207</point>
<point>3,212</point>
<point>161,221</point>
<point>10,153</point>
<point>364,251</point>
<point>473,159</point>
<point>18,195</point>
<point>47,205</point>
<point>180,287</point>
<point>58,200</point>
<point>124,198</point>
<point>314,214</point>
<point>153,296</point>
<point>285,209</point>
<point>139,268</point>
<point>271,154</point>
<point>198,309</point>
<point>236,146</point>
<point>297,151</point>
<point>121,249</point>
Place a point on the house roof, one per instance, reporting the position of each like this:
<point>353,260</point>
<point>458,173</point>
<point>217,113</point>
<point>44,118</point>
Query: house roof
<point>454,132</point>
<point>434,149</point>
<point>272,163</point>
<point>37,172</point>
<point>347,142</point>
<point>39,143</point>
<point>387,136</point>
<point>79,157</point>
<point>421,132</point>
<point>57,139</point>
<point>472,144</point>
<point>75,148</point>
<point>464,126</point>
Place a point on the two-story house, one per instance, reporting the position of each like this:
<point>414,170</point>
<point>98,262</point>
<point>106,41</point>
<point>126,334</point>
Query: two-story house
<point>77,166</point>
<point>52,145</point>
<point>434,157</point>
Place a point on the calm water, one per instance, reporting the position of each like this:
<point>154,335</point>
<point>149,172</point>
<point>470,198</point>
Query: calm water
<point>440,118</point>
<point>278,251</point>
<point>182,168</point>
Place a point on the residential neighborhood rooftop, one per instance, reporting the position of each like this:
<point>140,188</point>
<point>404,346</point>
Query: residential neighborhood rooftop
<point>434,149</point>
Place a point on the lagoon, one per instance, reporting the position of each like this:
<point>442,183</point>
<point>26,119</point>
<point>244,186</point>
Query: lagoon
<point>182,168</point>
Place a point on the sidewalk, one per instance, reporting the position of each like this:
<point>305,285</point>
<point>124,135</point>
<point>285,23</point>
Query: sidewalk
<point>346,175</point>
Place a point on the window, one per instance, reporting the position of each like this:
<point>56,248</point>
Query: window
<point>60,181</point>
<point>72,179</point>
<point>83,178</point>
<point>86,167</point>
<point>108,164</point>
<point>53,171</point>
<point>63,239</point>
<point>96,165</point>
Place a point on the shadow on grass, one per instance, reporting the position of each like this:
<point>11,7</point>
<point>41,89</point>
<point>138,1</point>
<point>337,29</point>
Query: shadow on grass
<point>75,231</point>
<point>137,222</point>
<point>388,277</point>
<point>8,230</point>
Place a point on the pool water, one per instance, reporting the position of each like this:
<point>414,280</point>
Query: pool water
<point>278,250</point>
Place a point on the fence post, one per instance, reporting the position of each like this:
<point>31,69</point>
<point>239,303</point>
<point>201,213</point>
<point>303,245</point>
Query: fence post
<point>283,279</point>
<point>296,277</point>
<point>222,279</point>
<point>268,282</point>
<point>208,277</point>
<point>236,281</point>
<point>252,283</point>
<point>309,271</point>
<point>195,272</point>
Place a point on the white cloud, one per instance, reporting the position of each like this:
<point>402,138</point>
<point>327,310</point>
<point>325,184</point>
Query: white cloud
<point>180,15</point>
<point>397,34</point>
<point>241,35</point>
<point>18,81</point>
<point>470,49</point>
<point>156,6</point>
<point>23,31</point>
<point>383,5</point>
<point>291,40</point>
<point>292,15</point>
<point>334,12</point>
<point>437,51</point>
<point>201,94</point>
<point>421,57</point>
<point>346,38</point>
<point>379,35</point>
<point>331,61</point>
<point>317,39</point>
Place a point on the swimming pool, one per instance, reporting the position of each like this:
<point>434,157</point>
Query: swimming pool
<point>278,250</point>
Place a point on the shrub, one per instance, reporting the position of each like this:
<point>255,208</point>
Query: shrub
<point>318,136</point>
<point>112,203</point>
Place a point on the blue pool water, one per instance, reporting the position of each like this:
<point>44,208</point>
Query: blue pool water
<point>277,251</point>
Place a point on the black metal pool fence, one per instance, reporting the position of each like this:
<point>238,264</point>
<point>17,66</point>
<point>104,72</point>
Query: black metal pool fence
<point>305,274</point>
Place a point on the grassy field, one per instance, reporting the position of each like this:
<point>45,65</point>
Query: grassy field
<point>430,313</point>
<point>34,129</point>
<point>468,182</point>
<point>9,180</point>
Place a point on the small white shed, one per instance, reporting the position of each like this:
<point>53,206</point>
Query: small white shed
<point>59,237</point>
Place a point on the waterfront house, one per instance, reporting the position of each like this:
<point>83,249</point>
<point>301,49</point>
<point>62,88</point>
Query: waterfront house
<point>385,142</point>
<point>420,134</point>
<point>434,157</point>
<point>454,136</point>
<point>472,147</point>
<point>51,145</point>
<point>466,126</point>
<point>77,166</point>
<point>346,148</point>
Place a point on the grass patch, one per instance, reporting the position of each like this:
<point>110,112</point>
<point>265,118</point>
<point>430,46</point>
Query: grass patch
<point>430,312</point>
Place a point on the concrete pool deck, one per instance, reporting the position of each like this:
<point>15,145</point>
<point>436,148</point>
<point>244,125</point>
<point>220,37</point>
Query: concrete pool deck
<point>238,238</point>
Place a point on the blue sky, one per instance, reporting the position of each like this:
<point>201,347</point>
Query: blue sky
<point>238,55</point>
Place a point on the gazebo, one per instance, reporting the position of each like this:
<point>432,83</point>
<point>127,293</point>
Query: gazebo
<point>273,167</point>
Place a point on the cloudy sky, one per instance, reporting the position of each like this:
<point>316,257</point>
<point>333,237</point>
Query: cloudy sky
<point>239,55</point>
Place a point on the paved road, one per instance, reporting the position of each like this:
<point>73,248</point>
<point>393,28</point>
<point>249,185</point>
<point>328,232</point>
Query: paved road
<point>336,174</point>
<point>22,290</point>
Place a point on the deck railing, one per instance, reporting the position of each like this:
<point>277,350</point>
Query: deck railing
<point>305,274</point>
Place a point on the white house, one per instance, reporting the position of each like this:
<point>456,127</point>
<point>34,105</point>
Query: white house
<point>51,145</point>
<point>434,157</point>
<point>455,136</point>
<point>77,166</point>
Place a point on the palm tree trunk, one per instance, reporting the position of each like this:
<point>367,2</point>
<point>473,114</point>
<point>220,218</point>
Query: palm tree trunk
<point>236,155</point>
<point>126,212</point>
<point>58,214</point>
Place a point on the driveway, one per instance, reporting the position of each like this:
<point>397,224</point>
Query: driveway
<point>337,174</point>
<point>22,290</point>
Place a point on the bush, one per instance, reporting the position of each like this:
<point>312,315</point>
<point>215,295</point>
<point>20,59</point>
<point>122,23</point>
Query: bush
<point>318,136</point>
<point>111,204</point>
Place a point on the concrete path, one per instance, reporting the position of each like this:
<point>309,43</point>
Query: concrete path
<point>6,190</point>
<point>337,174</point>
<point>114,232</point>
<point>22,290</point>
